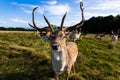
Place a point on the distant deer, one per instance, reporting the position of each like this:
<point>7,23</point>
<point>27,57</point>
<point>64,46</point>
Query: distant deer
<point>63,54</point>
<point>75,35</point>
<point>37,34</point>
<point>114,37</point>
<point>99,36</point>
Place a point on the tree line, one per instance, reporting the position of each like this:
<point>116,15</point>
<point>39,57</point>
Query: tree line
<point>15,29</point>
<point>102,24</point>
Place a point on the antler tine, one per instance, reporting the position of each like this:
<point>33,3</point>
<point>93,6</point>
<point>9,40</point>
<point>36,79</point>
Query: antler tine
<point>33,20</point>
<point>30,25</point>
<point>82,9</point>
<point>62,22</point>
<point>82,12</point>
<point>51,27</point>
<point>81,6</point>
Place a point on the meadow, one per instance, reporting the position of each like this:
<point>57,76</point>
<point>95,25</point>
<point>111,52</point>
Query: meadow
<point>23,56</point>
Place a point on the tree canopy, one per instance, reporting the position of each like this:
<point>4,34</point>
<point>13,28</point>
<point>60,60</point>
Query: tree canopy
<point>102,24</point>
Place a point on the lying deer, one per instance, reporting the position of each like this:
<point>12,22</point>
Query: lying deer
<point>99,36</point>
<point>63,54</point>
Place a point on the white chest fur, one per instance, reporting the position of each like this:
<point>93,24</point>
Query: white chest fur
<point>57,56</point>
<point>59,61</point>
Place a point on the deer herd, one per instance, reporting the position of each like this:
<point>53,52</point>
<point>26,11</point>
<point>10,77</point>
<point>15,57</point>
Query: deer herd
<point>63,53</point>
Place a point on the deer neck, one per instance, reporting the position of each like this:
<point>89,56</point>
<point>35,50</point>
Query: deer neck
<point>59,60</point>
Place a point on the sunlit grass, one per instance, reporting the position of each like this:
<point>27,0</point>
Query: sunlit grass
<point>23,56</point>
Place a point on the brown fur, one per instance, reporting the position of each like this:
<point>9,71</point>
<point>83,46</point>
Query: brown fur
<point>68,53</point>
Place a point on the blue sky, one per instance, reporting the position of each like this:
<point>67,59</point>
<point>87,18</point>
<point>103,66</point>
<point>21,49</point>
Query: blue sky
<point>17,13</point>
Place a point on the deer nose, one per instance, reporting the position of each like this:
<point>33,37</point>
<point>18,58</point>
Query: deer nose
<point>55,46</point>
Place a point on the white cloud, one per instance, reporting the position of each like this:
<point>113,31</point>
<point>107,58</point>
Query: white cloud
<point>24,5</point>
<point>77,1</point>
<point>41,10</point>
<point>71,22</point>
<point>107,5</point>
<point>17,20</point>
<point>102,8</point>
<point>52,2</point>
<point>27,8</point>
<point>11,24</point>
<point>4,23</point>
<point>58,9</point>
<point>53,9</point>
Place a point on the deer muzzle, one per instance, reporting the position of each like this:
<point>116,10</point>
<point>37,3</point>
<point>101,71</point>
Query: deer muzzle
<point>55,46</point>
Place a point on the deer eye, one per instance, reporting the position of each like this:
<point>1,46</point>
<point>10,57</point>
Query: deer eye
<point>61,35</point>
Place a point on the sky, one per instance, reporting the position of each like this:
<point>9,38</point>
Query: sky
<point>18,13</point>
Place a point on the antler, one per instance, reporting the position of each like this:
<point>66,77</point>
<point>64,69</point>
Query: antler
<point>35,26</point>
<point>71,27</point>
<point>79,24</point>
<point>33,20</point>
<point>51,27</point>
<point>62,22</point>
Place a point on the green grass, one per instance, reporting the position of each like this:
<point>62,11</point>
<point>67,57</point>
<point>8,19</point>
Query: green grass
<point>25,57</point>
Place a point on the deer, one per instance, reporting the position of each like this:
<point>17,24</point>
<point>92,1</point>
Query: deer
<point>114,37</point>
<point>99,36</point>
<point>37,33</point>
<point>63,53</point>
<point>75,35</point>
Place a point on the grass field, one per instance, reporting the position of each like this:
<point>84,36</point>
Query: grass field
<point>25,57</point>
